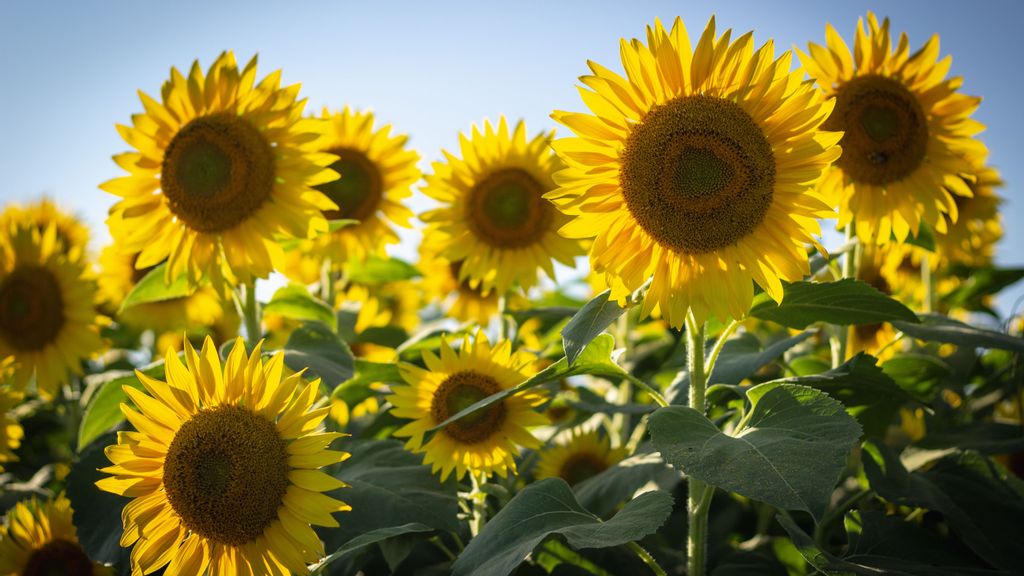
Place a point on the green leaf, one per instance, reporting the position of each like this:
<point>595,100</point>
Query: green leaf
<point>789,454</point>
<point>377,270</point>
<point>844,302</point>
<point>938,328</point>
<point>586,324</point>
<point>602,494</point>
<point>595,359</point>
<point>326,356</point>
<point>388,487</point>
<point>357,544</point>
<point>742,356</point>
<point>335,225</point>
<point>106,393</point>
<point>153,289</point>
<point>547,508</point>
<point>97,514</point>
<point>978,284</point>
<point>985,437</point>
<point>866,391</point>
<point>367,373</point>
<point>297,303</point>
<point>924,239</point>
<point>981,501</point>
<point>918,374</point>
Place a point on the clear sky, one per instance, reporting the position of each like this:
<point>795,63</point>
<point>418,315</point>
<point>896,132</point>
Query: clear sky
<point>70,70</point>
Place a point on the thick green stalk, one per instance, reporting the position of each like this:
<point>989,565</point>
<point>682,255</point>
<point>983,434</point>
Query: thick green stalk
<point>699,498</point>
<point>850,261</point>
<point>929,284</point>
<point>477,504</point>
<point>647,558</point>
<point>251,312</point>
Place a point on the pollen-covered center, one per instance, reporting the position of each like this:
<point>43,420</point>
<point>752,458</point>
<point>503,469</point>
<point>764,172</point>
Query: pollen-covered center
<point>885,130</point>
<point>697,174</point>
<point>580,466</point>
<point>359,190</point>
<point>31,308</point>
<point>460,391</point>
<point>226,473</point>
<point>507,209</point>
<point>58,558</point>
<point>217,171</point>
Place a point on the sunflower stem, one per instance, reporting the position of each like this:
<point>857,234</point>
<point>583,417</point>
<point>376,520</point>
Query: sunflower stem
<point>699,497</point>
<point>709,365</point>
<point>646,557</point>
<point>478,505</point>
<point>850,261</point>
<point>327,287</point>
<point>251,311</point>
<point>929,284</point>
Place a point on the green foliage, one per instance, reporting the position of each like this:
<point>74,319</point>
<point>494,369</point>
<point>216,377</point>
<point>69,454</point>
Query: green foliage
<point>97,514</point>
<point>588,323</point>
<point>297,303</point>
<point>377,270</point>
<point>843,302</point>
<point>547,508</point>
<point>788,453</point>
<point>153,288</point>
<point>105,395</point>
<point>938,328</point>
<point>315,348</point>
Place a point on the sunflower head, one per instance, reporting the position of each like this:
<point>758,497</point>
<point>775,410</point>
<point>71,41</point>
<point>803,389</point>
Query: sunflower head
<point>971,238</point>
<point>695,170</point>
<point>39,539</point>
<point>493,217</point>
<point>441,285</point>
<point>11,432</point>
<point>223,467</point>
<point>72,233</point>
<point>908,134</point>
<point>584,455</point>
<point>47,319</point>
<point>223,166</point>
<point>482,443</point>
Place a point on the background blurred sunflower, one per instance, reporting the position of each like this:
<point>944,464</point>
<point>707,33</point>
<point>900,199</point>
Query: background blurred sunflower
<point>971,239</point>
<point>223,467</point>
<point>494,220</point>
<point>584,455</point>
<point>48,322</point>
<point>695,169</point>
<point>72,233</point>
<point>908,135</point>
<point>441,284</point>
<point>485,442</point>
<point>222,167</point>
<point>39,539</point>
<point>11,432</point>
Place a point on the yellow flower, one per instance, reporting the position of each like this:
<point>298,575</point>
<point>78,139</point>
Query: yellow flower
<point>223,167</point>
<point>441,280</point>
<point>972,237</point>
<point>583,456</point>
<point>908,132</point>
<point>485,442</point>
<point>39,538</point>
<point>223,467</point>
<point>119,275</point>
<point>696,170</point>
<point>377,172</point>
<point>493,218</point>
<point>72,233</point>
<point>11,432</point>
<point>47,319</point>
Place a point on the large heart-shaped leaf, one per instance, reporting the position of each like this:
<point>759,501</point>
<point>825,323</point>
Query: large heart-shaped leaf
<point>843,302</point>
<point>938,328</point>
<point>789,453</point>
<point>314,347</point>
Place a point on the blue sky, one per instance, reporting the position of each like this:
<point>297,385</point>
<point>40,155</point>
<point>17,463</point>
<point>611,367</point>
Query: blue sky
<point>71,69</point>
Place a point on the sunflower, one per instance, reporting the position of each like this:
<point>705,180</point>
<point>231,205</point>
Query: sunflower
<point>377,172</point>
<point>11,432</point>
<point>971,239</point>
<point>441,280</point>
<point>72,233</point>
<point>39,539</point>
<point>47,319</point>
<point>494,219</point>
<point>584,455</point>
<point>485,442</point>
<point>223,166</point>
<point>696,169</point>
<point>223,467</point>
<point>119,275</point>
<point>908,135</point>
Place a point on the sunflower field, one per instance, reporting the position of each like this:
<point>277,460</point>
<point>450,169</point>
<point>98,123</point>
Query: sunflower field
<point>737,317</point>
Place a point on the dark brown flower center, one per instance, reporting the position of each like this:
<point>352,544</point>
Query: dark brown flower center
<point>226,473</point>
<point>580,466</point>
<point>359,190</point>
<point>58,558</point>
<point>31,308</point>
<point>697,174</point>
<point>507,209</point>
<point>217,171</point>
<point>460,391</point>
<point>885,130</point>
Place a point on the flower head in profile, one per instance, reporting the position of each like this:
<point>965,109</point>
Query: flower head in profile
<point>39,539</point>
<point>223,467</point>
<point>695,170</point>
